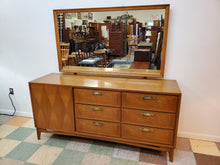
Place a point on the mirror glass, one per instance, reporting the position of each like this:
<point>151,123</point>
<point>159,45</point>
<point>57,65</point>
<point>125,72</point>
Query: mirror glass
<point>121,41</point>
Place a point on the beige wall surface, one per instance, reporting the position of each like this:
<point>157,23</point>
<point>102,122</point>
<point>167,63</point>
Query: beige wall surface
<point>28,50</point>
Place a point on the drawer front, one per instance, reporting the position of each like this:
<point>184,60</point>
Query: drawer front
<point>147,134</point>
<point>97,97</point>
<point>97,112</point>
<point>98,127</point>
<point>148,118</point>
<point>162,103</point>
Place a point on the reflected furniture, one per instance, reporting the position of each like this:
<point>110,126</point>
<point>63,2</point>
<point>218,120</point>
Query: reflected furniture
<point>84,44</point>
<point>112,34</point>
<point>139,112</point>
<point>153,40</point>
<point>94,28</point>
<point>91,61</point>
<point>64,51</point>
<point>116,38</point>
<point>132,41</point>
<point>144,45</point>
<point>102,53</point>
<point>73,58</point>
<point>142,54</point>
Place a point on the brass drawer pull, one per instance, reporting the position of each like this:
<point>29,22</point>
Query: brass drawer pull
<point>148,97</point>
<point>147,114</point>
<point>96,93</point>
<point>146,130</point>
<point>96,109</point>
<point>96,123</point>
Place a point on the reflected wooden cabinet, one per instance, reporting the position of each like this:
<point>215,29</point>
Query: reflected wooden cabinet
<point>116,38</point>
<point>137,112</point>
<point>112,34</point>
<point>116,42</point>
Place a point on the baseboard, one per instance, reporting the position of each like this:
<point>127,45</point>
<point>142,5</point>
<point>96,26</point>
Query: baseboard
<point>199,136</point>
<point>18,113</point>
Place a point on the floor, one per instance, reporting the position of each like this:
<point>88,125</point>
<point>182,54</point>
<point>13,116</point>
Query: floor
<point>19,145</point>
<point>123,62</point>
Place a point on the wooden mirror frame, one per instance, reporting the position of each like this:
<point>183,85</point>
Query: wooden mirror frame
<point>113,71</point>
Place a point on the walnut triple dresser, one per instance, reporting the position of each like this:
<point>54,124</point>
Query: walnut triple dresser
<point>139,112</point>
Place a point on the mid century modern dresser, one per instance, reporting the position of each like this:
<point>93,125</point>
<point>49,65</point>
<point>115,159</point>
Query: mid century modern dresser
<point>139,112</point>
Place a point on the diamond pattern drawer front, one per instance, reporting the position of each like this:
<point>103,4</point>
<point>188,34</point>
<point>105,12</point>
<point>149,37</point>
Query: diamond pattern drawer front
<point>53,107</point>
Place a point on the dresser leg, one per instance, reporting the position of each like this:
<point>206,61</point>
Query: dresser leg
<point>38,133</point>
<point>171,153</point>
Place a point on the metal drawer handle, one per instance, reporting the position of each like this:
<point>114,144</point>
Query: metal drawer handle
<point>146,130</point>
<point>148,97</point>
<point>96,93</point>
<point>96,109</point>
<point>147,114</point>
<point>96,123</point>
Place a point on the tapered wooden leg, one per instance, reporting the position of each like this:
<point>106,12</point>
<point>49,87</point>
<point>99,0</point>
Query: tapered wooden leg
<point>38,133</point>
<point>171,153</point>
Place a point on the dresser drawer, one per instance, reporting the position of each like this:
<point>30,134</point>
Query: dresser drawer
<point>97,97</point>
<point>97,112</point>
<point>147,134</point>
<point>98,127</point>
<point>148,118</point>
<point>164,103</point>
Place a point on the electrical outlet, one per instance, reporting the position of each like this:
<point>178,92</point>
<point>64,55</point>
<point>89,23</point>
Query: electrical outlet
<point>11,91</point>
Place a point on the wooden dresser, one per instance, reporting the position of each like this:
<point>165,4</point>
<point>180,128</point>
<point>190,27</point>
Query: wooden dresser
<point>139,112</point>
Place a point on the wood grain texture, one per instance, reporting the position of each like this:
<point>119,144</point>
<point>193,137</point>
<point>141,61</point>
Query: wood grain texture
<point>98,112</point>
<point>158,119</point>
<point>165,34</point>
<point>132,132</point>
<point>60,108</point>
<point>161,103</point>
<point>111,83</point>
<point>87,96</point>
<point>177,121</point>
<point>112,71</point>
<point>52,107</point>
<point>107,128</point>
<point>118,8</point>
<point>120,119</point>
<point>39,105</point>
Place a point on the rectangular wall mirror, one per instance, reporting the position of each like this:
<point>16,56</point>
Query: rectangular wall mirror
<point>126,41</point>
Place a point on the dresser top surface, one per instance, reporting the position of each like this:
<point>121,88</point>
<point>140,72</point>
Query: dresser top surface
<point>111,83</point>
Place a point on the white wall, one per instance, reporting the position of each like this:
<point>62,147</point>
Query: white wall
<point>28,50</point>
<point>143,16</point>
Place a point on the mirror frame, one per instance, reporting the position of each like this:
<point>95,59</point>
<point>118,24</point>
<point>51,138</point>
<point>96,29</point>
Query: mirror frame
<point>113,71</point>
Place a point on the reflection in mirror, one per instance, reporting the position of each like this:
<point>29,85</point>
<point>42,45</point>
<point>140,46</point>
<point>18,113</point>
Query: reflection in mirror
<point>114,39</point>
